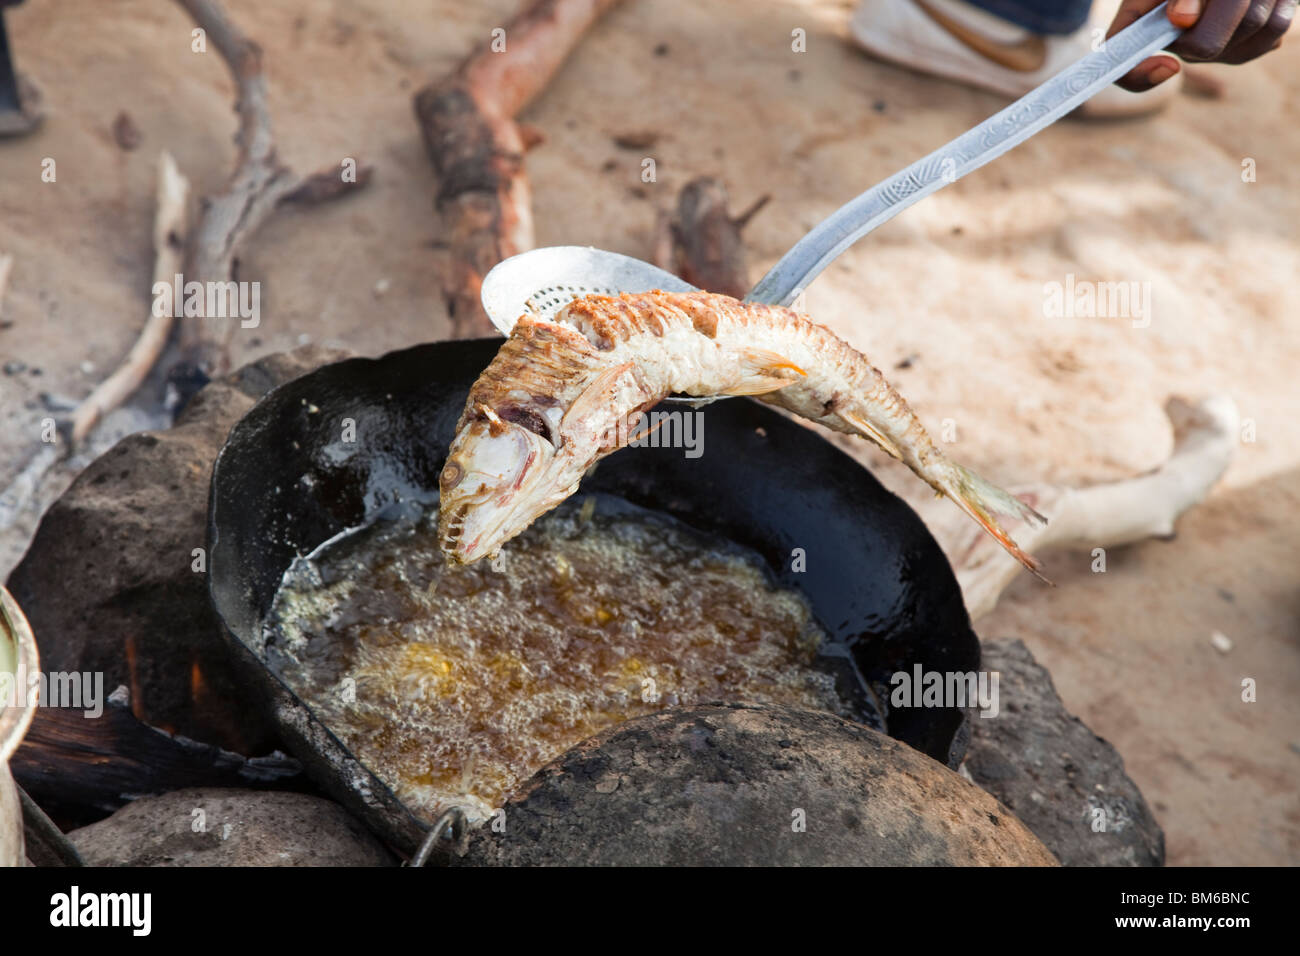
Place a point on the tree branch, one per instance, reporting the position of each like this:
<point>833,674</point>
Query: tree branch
<point>258,185</point>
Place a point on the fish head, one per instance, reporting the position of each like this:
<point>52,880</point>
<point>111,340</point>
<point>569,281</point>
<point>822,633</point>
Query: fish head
<point>499,477</point>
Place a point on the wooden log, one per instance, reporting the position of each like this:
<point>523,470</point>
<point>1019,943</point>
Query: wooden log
<point>80,769</point>
<point>477,149</point>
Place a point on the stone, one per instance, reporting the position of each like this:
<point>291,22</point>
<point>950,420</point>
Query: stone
<point>1055,774</point>
<point>743,785</point>
<point>109,584</point>
<point>216,827</point>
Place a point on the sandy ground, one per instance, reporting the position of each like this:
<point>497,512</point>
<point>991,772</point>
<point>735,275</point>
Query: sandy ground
<point>956,285</point>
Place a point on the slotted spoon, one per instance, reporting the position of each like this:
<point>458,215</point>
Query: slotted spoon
<point>544,280</point>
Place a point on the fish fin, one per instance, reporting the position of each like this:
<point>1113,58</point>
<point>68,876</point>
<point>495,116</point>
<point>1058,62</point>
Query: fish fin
<point>872,432</point>
<point>980,499</point>
<point>765,371</point>
<point>595,395</point>
<point>759,386</point>
<point>640,436</point>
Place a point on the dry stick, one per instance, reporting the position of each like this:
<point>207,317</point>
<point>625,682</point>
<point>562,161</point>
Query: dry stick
<point>477,149</point>
<point>702,243</point>
<point>169,239</point>
<point>16,498</point>
<point>252,193</point>
<point>259,183</point>
<point>324,186</point>
<point>1113,514</point>
<point>169,229</point>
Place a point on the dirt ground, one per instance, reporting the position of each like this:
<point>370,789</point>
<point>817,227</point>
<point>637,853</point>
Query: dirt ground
<point>955,285</point>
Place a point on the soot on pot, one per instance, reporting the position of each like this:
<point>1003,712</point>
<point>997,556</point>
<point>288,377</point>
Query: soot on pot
<point>455,685</point>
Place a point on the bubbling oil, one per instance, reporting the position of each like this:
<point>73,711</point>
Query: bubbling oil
<point>455,685</point>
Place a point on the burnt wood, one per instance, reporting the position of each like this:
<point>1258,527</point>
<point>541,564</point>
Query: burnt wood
<point>79,770</point>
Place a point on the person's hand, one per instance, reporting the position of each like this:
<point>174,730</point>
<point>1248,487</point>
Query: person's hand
<point>1221,31</point>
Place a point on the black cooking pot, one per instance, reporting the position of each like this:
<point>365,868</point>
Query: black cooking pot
<point>287,480</point>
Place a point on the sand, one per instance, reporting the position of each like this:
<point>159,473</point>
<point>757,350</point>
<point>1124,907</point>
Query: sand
<point>955,285</point>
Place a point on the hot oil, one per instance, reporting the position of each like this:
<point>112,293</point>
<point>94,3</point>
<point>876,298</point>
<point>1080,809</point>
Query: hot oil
<point>454,685</point>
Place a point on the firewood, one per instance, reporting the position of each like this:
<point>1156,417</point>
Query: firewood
<point>477,149</point>
<point>78,770</point>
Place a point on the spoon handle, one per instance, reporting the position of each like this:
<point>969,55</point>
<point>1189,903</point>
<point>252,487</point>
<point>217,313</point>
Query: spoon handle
<point>1028,115</point>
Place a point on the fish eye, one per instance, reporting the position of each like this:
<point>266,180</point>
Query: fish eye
<point>451,476</point>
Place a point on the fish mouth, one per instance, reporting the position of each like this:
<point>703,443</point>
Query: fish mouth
<point>456,548</point>
<point>449,534</point>
<point>471,530</point>
<point>452,530</point>
<point>487,487</point>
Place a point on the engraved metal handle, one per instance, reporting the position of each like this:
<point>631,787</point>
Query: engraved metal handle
<point>1028,115</point>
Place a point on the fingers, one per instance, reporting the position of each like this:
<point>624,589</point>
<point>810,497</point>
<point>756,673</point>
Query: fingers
<point>1225,31</point>
<point>1256,17</point>
<point>1214,29</point>
<point>1150,72</point>
<point>1155,69</point>
<point>1266,38</point>
<point>1185,13</point>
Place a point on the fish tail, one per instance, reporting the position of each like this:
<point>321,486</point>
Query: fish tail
<point>981,499</point>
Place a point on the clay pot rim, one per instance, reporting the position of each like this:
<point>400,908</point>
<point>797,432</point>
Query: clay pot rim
<point>15,630</point>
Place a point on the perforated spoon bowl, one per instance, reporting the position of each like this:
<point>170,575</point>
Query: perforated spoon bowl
<point>544,280</point>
